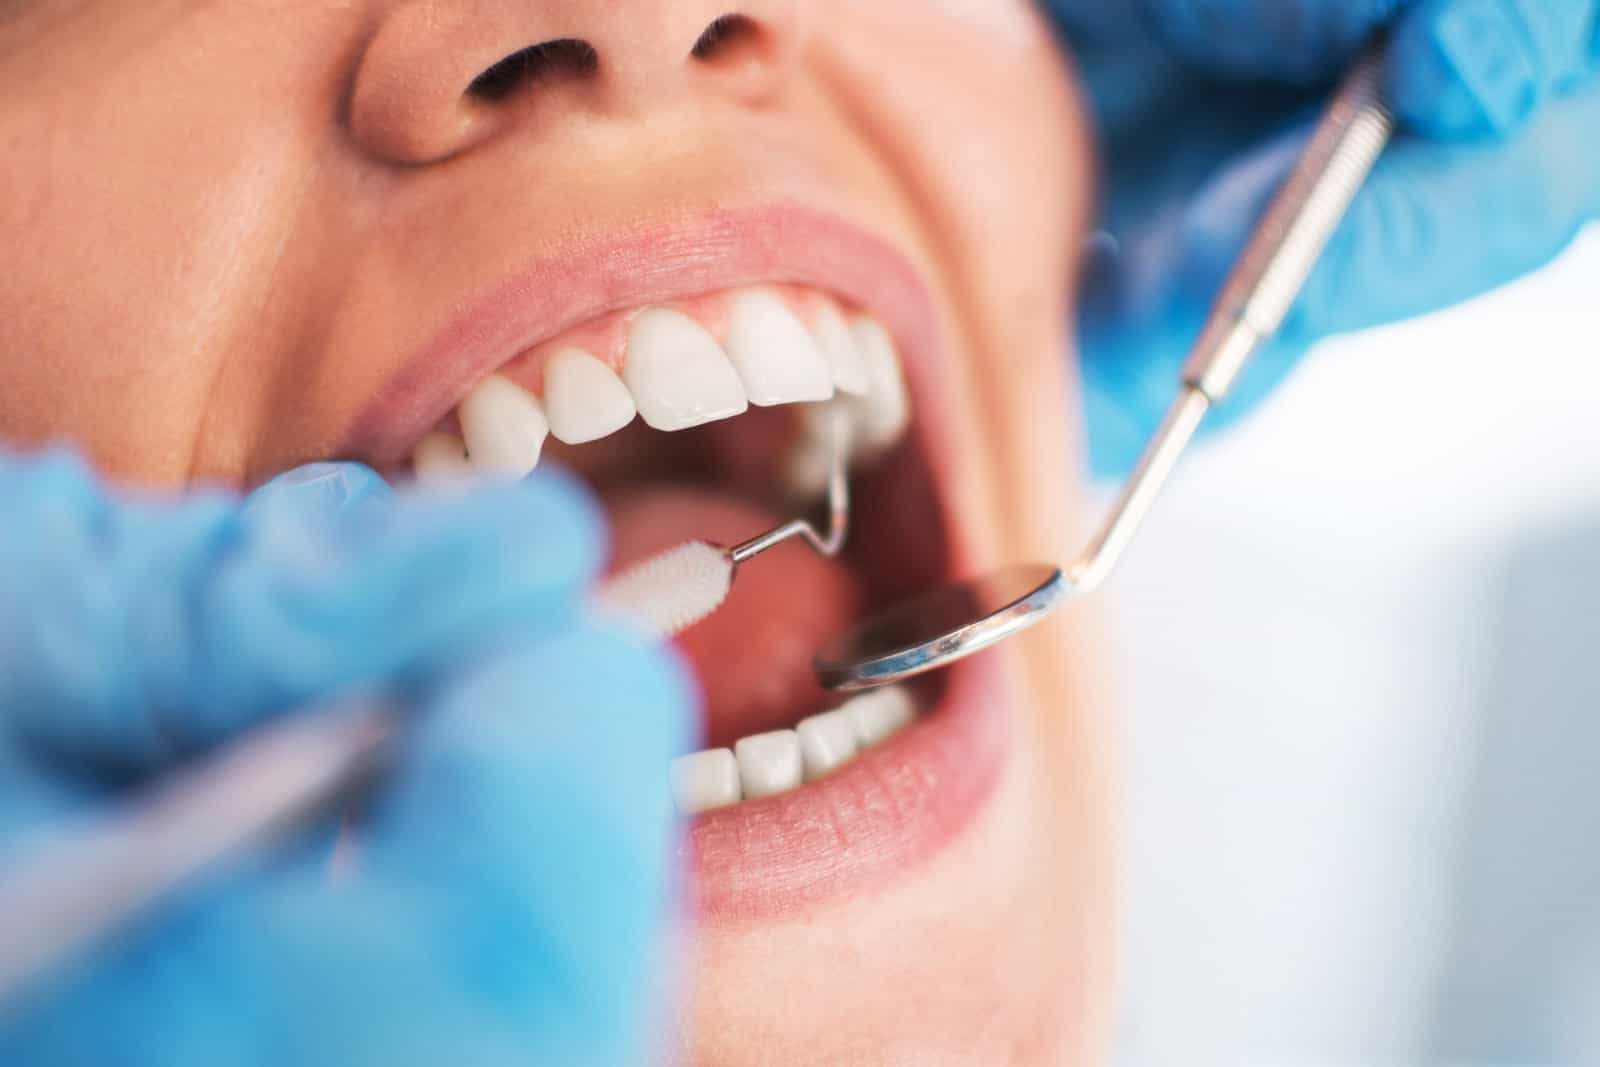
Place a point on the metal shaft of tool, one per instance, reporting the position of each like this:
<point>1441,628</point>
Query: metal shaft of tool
<point>112,869</point>
<point>831,543</point>
<point>1258,294</point>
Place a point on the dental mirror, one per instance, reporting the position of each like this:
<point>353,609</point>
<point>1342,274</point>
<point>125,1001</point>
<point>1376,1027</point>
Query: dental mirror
<point>937,628</point>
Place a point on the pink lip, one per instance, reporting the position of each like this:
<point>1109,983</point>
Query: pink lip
<point>877,818</point>
<point>892,807</point>
<point>724,249</point>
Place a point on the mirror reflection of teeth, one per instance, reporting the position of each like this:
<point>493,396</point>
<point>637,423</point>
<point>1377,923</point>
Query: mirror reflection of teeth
<point>781,760</point>
<point>676,375</point>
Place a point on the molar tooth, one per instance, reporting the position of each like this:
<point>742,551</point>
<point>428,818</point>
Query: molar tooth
<point>777,359</point>
<point>504,427</point>
<point>769,763</point>
<point>880,714</point>
<point>678,374</point>
<point>884,413</point>
<point>441,458</point>
<point>839,349</point>
<point>705,780</point>
<point>584,398</point>
<point>826,741</point>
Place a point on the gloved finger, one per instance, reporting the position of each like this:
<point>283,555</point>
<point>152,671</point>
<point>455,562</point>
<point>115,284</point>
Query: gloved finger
<point>1465,68</point>
<point>138,630</point>
<point>323,489</point>
<point>1436,224</point>
<point>505,909</point>
<point>1439,223</point>
<point>536,793</point>
<point>1296,42</point>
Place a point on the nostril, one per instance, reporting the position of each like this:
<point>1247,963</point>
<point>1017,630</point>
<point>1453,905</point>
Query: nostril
<point>568,57</point>
<point>727,35</point>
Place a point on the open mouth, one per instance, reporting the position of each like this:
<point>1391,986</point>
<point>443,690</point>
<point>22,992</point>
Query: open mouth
<point>701,417</point>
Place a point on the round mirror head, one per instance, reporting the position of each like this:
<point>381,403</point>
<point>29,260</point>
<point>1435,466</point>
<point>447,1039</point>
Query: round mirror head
<point>937,628</point>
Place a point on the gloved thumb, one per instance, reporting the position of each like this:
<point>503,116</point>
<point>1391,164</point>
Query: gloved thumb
<point>1472,68</point>
<point>1297,42</point>
<point>134,631</point>
<point>325,490</point>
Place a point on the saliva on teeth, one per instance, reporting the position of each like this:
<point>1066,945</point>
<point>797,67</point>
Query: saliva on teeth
<point>675,375</point>
<point>766,764</point>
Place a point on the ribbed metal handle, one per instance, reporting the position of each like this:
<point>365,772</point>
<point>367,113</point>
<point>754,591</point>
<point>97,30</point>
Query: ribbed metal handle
<point>1296,228</point>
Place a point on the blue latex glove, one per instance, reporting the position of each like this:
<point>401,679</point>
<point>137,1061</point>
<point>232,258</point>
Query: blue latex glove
<point>1202,107</point>
<point>512,867</point>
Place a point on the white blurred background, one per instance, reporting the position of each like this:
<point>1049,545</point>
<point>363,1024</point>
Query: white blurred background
<point>1359,648</point>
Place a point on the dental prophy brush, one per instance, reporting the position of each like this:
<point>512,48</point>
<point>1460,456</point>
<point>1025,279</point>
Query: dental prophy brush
<point>278,777</point>
<point>938,628</point>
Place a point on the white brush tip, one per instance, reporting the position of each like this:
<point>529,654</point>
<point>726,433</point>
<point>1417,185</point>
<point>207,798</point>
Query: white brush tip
<point>668,593</point>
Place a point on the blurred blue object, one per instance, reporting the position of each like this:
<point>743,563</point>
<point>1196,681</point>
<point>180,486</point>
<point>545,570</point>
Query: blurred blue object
<point>510,871</point>
<point>1202,106</point>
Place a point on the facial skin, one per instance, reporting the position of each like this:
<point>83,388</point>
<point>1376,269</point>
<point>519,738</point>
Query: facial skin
<point>229,222</point>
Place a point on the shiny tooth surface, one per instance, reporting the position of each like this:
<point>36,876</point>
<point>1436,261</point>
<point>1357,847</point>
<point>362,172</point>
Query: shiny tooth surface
<point>441,458</point>
<point>781,760</point>
<point>702,781</point>
<point>827,741</point>
<point>805,470</point>
<point>679,376</point>
<point>583,398</point>
<point>769,763</point>
<point>838,346</point>
<point>884,413</point>
<point>875,422</point>
<point>504,427</point>
<point>880,714</point>
<point>777,359</point>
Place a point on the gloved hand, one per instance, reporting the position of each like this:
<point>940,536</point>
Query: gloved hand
<point>510,870</point>
<point>1202,106</point>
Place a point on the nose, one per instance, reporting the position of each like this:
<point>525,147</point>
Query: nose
<point>440,77</point>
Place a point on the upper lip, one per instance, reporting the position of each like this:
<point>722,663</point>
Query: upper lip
<point>649,264</point>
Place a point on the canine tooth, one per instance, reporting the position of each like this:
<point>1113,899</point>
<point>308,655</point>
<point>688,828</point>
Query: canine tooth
<point>769,763</point>
<point>839,349</point>
<point>440,458</point>
<point>583,398</point>
<point>805,472</point>
<point>504,427</point>
<point>705,780</point>
<point>826,741</point>
<point>777,359</point>
<point>880,714</point>
<point>885,412</point>
<point>678,374</point>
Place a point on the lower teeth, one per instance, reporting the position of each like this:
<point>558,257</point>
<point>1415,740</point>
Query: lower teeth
<point>782,760</point>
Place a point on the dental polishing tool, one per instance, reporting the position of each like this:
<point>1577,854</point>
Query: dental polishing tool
<point>258,789</point>
<point>937,628</point>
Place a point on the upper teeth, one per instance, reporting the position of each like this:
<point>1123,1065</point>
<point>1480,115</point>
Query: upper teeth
<point>676,374</point>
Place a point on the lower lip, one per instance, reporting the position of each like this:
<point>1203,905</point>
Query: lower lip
<point>875,820</point>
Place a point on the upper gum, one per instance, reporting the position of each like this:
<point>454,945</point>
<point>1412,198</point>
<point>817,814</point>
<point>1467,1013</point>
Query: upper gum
<point>606,337</point>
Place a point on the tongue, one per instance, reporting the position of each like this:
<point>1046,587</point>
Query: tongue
<point>753,657</point>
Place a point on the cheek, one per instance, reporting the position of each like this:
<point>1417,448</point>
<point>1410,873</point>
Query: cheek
<point>972,106</point>
<point>142,219</point>
<point>1007,24</point>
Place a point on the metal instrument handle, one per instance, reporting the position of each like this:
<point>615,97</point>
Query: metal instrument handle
<point>1292,235</point>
